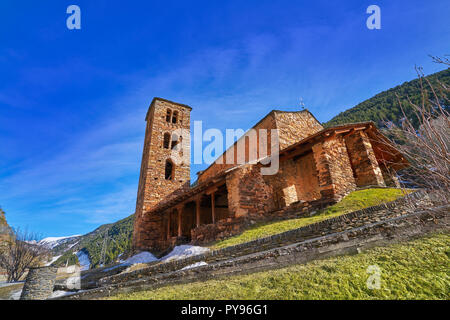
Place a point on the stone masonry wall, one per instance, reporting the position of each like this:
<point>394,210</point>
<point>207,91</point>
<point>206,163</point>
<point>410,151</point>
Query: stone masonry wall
<point>295,181</point>
<point>410,203</point>
<point>221,163</point>
<point>324,173</point>
<point>364,163</point>
<point>334,168</point>
<point>349,240</point>
<point>248,193</point>
<point>292,127</point>
<point>153,187</point>
<point>295,126</point>
<point>39,283</point>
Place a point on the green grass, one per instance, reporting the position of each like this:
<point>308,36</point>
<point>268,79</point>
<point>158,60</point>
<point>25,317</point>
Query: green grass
<point>354,201</point>
<point>416,269</point>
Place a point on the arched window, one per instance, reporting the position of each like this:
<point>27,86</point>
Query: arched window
<point>175,117</point>
<point>166,141</point>
<point>168,115</point>
<point>169,172</point>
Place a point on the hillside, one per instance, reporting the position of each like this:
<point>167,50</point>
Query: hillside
<point>384,106</point>
<point>118,241</point>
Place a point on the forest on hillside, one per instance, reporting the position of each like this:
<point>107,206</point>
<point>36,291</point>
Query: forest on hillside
<point>385,106</point>
<point>104,245</point>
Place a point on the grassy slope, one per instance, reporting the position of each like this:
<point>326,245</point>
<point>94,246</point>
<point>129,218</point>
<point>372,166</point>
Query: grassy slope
<point>354,201</point>
<point>417,269</point>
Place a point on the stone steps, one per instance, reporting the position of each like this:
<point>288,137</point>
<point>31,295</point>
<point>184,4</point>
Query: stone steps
<point>343,242</point>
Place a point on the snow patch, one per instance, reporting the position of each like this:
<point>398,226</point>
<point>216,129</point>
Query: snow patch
<point>53,260</point>
<point>15,295</point>
<point>195,265</point>
<point>184,251</point>
<point>61,293</point>
<point>179,252</point>
<point>51,242</point>
<point>142,257</point>
<point>83,259</point>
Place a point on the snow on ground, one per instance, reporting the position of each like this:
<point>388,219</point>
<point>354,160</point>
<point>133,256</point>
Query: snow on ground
<point>195,265</point>
<point>61,293</point>
<point>15,295</point>
<point>142,257</point>
<point>53,260</point>
<point>52,242</point>
<point>184,251</point>
<point>83,259</point>
<point>72,245</point>
<point>179,252</point>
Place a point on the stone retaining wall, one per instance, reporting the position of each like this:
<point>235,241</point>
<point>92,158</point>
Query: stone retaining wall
<point>344,222</point>
<point>384,232</point>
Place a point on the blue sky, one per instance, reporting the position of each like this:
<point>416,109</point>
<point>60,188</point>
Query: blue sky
<point>73,102</point>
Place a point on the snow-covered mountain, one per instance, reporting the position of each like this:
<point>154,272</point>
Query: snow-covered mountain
<point>52,242</point>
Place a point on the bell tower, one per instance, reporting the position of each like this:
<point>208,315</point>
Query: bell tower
<point>165,171</point>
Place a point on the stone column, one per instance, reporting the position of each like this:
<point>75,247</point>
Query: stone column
<point>213,205</point>
<point>197,211</point>
<point>39,283</point>
<point>333,168</point>
<point>364,163</point>
<point>179,210</point>
<point>390,177</point>
<point>168,227</point>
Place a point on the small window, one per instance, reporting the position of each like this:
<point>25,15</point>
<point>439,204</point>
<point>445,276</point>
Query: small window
<point>169,170</point>
<point>175,117</point>
<point>166,142</point>
<point>168,115</point>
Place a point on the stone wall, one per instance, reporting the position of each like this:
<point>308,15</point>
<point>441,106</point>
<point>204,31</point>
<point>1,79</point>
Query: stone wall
<point>334,168</point>
<point>248,193</point>
<point>292,127</point>
<point>295,126</point>
<point>364,163</point>
<point>153,186</point>
<point>39,283</point>
<point>348,241</point>
<point>360,218</point>
<point>222,164</point>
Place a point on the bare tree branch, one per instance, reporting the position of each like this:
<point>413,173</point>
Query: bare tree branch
<point>20,253</point>
<point>427,146</point>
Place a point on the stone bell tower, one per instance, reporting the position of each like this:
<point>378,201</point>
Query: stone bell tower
<point>162,176</point>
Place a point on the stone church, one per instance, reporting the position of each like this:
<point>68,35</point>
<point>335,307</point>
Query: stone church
<point>317,167</point>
